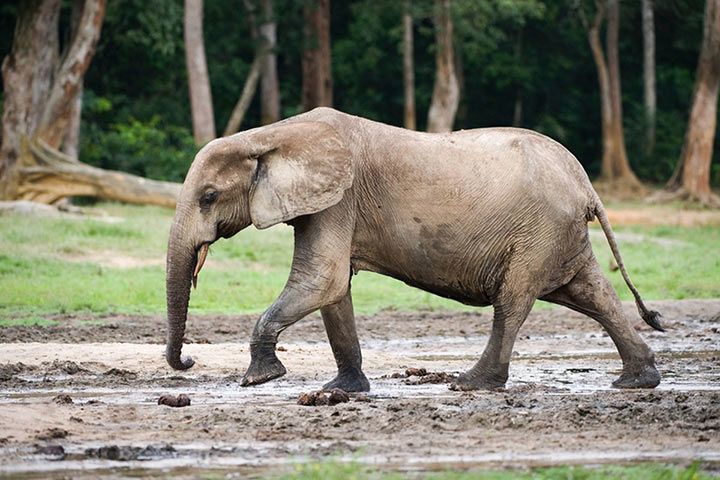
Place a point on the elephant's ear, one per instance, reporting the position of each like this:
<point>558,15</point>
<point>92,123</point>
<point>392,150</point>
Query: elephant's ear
<point>303,168</point>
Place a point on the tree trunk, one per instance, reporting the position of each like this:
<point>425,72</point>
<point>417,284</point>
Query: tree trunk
<point>648,26</point>
<point>27,77</point>
<point>69,77</point>
<point>617,166</point>
<point>518,107</point>
<point>201,106</point>
<point>692,175</point>
<point>269,87</point>
<point>262,49</point>
<point>409,67</point>
<point>41,95</point>
<point>71,143</point>
<point>316,60</point>
<point>616,173</point>
<point>238,113</point>
<point>446,94</point>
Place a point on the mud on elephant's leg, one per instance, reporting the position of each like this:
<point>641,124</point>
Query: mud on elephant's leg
<point>591,293</point>
<point>293,304</point>
<point>264,364</point>
<point>339,320</point>
<point>491,371</point>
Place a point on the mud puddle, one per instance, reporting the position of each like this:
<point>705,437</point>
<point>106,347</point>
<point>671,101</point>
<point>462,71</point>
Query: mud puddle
<point>72,407</point>
<point>191,462</point>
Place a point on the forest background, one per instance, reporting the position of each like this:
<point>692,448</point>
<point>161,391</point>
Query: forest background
<point>525,63</point>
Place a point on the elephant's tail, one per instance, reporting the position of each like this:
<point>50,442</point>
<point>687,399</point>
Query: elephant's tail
<point>651,317</point>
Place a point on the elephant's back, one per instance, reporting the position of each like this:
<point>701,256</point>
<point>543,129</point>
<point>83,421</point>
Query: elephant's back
<point>532,166</point>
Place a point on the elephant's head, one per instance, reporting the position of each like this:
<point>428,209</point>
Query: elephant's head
<point>262,177</point>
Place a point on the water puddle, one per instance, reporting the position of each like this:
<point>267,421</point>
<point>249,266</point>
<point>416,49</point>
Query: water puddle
<point>197,460</point>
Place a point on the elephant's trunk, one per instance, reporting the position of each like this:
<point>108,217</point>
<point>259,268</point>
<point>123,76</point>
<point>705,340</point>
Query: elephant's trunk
<point>181,260</point>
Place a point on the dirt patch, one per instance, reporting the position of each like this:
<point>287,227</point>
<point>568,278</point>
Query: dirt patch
<point>113,259</point>
<point>53,434</point>
<point>659,215</point>
<point>423,376</point>
<point>126,453</point>
<point>557,408</point>
<point>391,326</point>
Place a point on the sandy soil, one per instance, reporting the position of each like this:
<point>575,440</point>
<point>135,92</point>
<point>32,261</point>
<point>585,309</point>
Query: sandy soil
<point>84,401</point>
<point>663,215</point>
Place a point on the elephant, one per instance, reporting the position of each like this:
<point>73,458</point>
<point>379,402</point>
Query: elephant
<point>489,216</point>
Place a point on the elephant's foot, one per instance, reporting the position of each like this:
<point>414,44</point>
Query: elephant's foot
<point>479,378</point>
<point>645,376</point>
<point>350,380</point>
<point>264,365</point>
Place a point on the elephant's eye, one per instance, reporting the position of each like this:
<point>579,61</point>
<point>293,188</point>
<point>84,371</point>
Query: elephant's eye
<point>208,198</point>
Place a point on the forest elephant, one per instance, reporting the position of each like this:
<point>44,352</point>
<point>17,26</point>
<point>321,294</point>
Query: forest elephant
<point>491,216</point>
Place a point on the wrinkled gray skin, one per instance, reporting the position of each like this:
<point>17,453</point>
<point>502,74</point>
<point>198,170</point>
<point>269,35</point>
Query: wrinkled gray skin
<point>494,216</point>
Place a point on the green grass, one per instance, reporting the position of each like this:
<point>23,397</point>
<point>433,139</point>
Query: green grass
<point>30,321</point>
<point>52,266</point>
<point>331,470</point>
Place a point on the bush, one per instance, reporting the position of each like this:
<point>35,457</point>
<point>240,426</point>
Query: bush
<point>148,149</point>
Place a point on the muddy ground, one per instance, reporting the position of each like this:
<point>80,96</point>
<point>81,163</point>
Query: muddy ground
<point>80,399</point>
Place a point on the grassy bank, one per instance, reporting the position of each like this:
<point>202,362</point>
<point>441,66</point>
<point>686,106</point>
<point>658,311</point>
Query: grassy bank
<point>649,471</point>
<point>116,264</point>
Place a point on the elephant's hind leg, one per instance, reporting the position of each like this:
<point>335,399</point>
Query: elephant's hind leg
<point>339,320</point>
<point>591,293</point>
<point>491,371</point>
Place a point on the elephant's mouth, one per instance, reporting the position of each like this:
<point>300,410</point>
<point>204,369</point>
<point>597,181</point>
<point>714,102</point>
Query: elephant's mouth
<point>201,256</point>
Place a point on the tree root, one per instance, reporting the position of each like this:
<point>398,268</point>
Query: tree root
<point>45,175</point>
<point>620,189</point>
<point>680,194</point>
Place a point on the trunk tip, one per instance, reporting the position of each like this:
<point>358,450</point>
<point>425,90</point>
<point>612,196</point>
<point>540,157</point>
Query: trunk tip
<point>180,362</point>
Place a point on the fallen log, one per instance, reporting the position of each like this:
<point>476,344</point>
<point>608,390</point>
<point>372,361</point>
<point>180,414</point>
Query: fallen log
<point>47,175</point>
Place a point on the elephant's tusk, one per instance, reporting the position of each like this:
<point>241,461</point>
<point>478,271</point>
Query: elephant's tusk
<point>202,255</point>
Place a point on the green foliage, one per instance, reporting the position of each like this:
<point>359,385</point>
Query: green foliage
<point>533,53</point>
<point>95,265</point>
<point>30,321</point>
<point>143,148</point>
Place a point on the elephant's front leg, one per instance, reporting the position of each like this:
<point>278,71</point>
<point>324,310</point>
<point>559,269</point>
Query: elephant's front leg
<point>293,304</point>
<point>339,320</point>
<point>320,276</point>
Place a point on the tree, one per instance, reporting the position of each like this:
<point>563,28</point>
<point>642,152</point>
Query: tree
<point>446,92</point>
<point>691,179</point>
<point>26,71</point>
<point>262,51</point>
<point>648,27</point>
<point>41,89</point>
<point>518,108</point>
<point>71,142</point>
<point>201,106</point>
<point>240,109</point>
<point>408,67</point>
<point>269,87</point>
<point>317,84</point>
<point>615,172</point>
